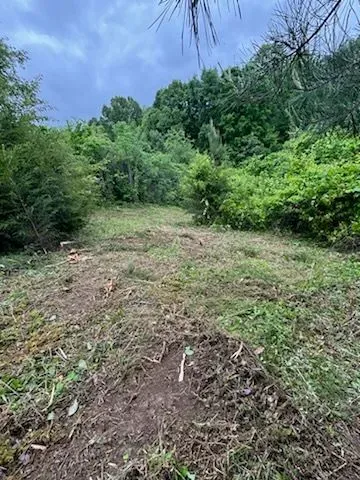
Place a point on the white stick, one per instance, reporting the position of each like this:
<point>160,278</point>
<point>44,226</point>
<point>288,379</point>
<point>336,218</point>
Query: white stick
<point>182,364</point>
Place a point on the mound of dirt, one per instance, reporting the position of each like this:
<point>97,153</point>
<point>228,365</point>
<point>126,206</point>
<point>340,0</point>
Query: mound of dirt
<point>226,419</point>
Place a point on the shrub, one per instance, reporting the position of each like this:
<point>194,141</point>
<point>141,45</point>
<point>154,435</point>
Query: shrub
<point>311,187</point>
<point>160,179</point>
<point>45,191</point>
<point>204,188</point>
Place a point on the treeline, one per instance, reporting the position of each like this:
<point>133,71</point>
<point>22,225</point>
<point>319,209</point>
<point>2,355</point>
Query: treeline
<point>227,144</point>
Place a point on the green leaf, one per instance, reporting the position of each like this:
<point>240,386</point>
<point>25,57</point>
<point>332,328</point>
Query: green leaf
<point>189,351</point>
<point>51,416</point>
<point>59,388</point>
<point>82,365</point>
<point>72,376</point>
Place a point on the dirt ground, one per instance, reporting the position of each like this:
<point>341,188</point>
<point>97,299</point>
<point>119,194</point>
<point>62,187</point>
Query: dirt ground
<point>118,306</point>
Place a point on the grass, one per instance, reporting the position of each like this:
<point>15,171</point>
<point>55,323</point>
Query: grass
<point>109,223</point>
<point>295,300</point>
<point>61,324</point>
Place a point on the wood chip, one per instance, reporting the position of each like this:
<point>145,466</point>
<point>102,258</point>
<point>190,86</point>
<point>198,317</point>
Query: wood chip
<point>35,446</point>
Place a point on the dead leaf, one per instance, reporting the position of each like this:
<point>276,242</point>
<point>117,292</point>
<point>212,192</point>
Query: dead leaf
<point>259,350</point>
<point>73,257</point>
<point>73,408</point>
<point>24,458</point>
<point>110,287</point>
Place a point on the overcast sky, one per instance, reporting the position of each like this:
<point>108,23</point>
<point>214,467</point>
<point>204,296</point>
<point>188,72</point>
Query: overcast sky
<point>90,50</point>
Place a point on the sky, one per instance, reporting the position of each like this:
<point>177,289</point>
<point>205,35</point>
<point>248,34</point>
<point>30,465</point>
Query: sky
<point>88,51</point>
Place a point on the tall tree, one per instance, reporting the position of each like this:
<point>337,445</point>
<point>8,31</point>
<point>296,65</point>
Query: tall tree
<point>19,103</point>
<point>121,109</point>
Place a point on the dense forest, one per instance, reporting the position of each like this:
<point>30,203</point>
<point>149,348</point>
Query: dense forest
<point>270,144</point>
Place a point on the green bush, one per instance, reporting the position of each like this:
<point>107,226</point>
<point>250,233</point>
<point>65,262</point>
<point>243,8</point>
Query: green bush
<point>127,167</point>
<point>160,180</point>
<point>311,187</point>
<point>45,191</point>
<point>204,189</point>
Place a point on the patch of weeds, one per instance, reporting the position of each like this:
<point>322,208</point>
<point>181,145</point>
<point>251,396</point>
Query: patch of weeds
<point>304,256</point>
<point>217,227</point>
<point>332,273</point>
<point>203,279</point>
<point>20,262</point>
<point>320,375</point>
<point>112,222</point>
<point>331,384</point>
<point>15,303</point>
<point>7,451</point>
<point>36,321</point>
<point>245,465</point>
<point>42,380</point>
<point>165,252</point>
<point>262,324</point>
<point>163,464</point>
<point>250,251</point>
<point>139,273</point>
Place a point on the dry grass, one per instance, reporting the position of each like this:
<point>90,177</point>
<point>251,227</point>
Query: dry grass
<point>277,398</point>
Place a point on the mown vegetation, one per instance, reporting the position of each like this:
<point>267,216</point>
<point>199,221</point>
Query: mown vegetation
<point>88,330</point>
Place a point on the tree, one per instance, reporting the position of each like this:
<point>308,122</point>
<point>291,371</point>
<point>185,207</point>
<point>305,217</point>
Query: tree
<point>45,191</point>
<point>299,25</point>
<point>326,93</point>
<point>121,109</point>
<point>19,103</point>
<point>196,13</point>
<point>307,32</point>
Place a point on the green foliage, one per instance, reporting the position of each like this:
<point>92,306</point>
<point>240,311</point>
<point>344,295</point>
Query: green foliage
<point>240,117</point>
<point>19,104</point>
<point>177,145</point>
<point>327,93</point>
<point>217,150</point>
<point>45,191</point>
<point>127,168</point>
<point>205,187</point>
<point>121,109</point>
<point>311,187</point>
<point>219,118</point>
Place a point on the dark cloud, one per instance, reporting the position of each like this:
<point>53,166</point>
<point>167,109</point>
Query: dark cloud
<point>89,51</point>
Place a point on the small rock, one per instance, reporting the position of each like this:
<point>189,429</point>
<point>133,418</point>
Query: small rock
<point>246,392</point>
